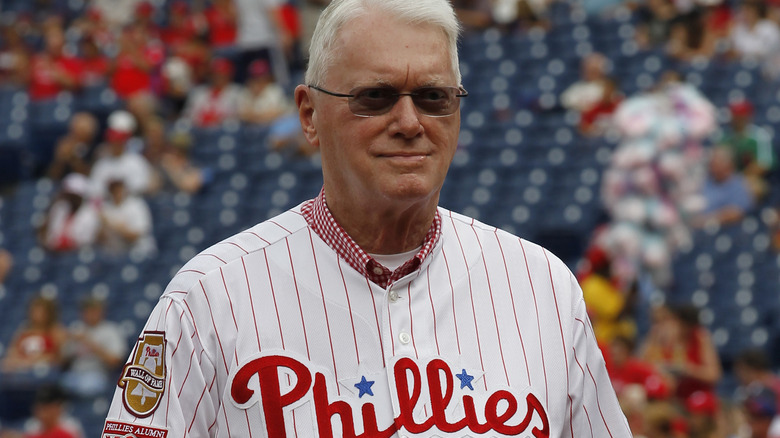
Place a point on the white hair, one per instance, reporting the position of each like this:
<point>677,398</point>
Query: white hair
<point>438,13</point>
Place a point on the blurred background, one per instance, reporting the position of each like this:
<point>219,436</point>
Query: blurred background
<point>634,139</point>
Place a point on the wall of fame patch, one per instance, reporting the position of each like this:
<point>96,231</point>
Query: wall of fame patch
<point>143,380</point>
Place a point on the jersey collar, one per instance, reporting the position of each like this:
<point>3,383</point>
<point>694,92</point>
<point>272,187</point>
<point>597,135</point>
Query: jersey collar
<point>320,220</point>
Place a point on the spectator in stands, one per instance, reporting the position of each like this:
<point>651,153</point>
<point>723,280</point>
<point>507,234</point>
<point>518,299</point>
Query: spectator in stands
<point>115,160</point>
<point>264,101</point>
<point>626,369</point>
<point>53,70</point>
<point>216,102</point>
<point>14,56</point>
<point>50,418</point>
<point>94,351</point>
<point>590,89</point>
<point>682,348</point>
<point>704,415</point>
<point>474,15</point>
<point>761,410</point>
<point>263,35</point>
<point>6,263</point>
<point>182,26</point>
<point>752,147</point>
<point>126,222</point>
<point>756,37</point>
<point>95,65</point>
<point>655,19</point>
<point>598,118</point>
<point>72,154</point>
<point>221,17</point>
<point>72,220</point>
<point>752,370</point>
<point>726,194</point>
<point>176,168</point>
<point>132,70</point>
<point>692,37</point>
<point>115,13</point>
<point>609,307</point>
<point>37,343</point>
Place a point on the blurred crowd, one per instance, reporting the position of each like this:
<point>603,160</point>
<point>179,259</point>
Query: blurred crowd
<point>181,66</point>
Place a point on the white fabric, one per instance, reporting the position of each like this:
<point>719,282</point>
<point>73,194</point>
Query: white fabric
<point>82,229</point>
<point>760,42</point>
<point>582,95</point>
<point>108,336</point>
<point>256,27</point>
<point>116,12</point>
<point>133,213</point>
<point>484,305</point>
<point>273,97</point>
<point>131,167</point>
<point>202,102</point>
<point>395,261</point>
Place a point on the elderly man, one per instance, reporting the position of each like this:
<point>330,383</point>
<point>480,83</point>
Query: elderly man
<point>369,311</point>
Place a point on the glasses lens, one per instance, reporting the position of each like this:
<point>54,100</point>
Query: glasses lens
<point>372,101</point>
<point>436,101</point>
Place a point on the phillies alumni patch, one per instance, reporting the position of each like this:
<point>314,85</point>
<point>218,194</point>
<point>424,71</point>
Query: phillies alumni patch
<point>143,380</point>
<point>117,429</point>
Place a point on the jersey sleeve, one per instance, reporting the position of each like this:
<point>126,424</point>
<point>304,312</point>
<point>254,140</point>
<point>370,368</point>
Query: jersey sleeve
<point>167,387</point>
<point>594,405</point>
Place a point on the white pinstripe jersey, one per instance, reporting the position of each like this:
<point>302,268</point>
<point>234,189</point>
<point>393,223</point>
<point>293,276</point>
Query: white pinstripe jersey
<point>271,334</point>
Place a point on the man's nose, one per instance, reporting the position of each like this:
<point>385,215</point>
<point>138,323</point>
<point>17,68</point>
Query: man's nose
<point>406,118</point>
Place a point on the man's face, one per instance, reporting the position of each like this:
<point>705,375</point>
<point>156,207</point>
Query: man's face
<point>397,158</point>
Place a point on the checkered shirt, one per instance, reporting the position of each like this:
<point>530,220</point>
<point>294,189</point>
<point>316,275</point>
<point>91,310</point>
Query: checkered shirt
<point>320,220</point>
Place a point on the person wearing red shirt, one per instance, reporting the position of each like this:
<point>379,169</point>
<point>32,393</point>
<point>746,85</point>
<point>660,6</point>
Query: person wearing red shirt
<point>181,28</point>
<point>94,65</point>
<point>221,18</point>
<point>49,418</point>
<point>52,71</point>
<point>626,369</point>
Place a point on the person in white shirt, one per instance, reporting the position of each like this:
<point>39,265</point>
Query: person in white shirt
<point>213,103</point>
<point>115,160</point>
<point>127,222</point>
<point>756,37</point>
<point>72,220</point>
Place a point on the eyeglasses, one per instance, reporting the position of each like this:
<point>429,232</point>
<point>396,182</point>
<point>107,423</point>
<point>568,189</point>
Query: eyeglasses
<point>375,101</point>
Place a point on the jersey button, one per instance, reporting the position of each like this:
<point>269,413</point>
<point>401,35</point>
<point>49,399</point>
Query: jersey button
<point>378,270</point>
<point>405,338</point>
<point>393,296</point>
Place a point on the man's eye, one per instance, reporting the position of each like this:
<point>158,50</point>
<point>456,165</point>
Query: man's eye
<point>432,94</point>
<point>376,93</point>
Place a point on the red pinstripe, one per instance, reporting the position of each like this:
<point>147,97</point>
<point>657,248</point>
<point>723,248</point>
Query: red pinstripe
<point>234,244</point>
<point>230,300</point>
<point>213,255</point>
<point>598,403</point>
<point>186,376</point>
<point>433,311</point>
<point>452,288</point>
<point>273,295</point>
<point>251,302</point>
<point>192,270</point>
<point>376,318</point>
<point>325,311</point>
<point>197,406</point>
<point>280,226</point>
<point>514,307</point>
<point>411,319</point>
<point>538,325</point>
<point>298,294</point>
<point>493,305</point>
<point>349,306</point>
<point>560,327</point>
<point>214,324</point>
<point>471,294</point>
<point>258,236</point>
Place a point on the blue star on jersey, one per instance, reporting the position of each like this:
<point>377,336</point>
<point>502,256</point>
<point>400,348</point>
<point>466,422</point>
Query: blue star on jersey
<point>365,387</point>
<point>465,379</point>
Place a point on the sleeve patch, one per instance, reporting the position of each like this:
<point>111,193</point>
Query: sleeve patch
<point>116,429</point>
<point>143,380</point>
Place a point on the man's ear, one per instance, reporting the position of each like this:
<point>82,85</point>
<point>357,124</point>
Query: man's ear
<point>303,99</point>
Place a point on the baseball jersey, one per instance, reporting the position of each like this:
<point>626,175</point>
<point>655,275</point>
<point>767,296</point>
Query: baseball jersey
<point>289,330</point>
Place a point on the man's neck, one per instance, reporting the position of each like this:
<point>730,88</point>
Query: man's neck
<point>388,230</point>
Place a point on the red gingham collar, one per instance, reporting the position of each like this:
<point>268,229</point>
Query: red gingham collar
<point>320,220</point>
